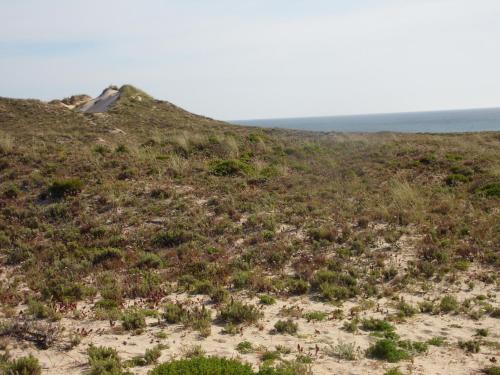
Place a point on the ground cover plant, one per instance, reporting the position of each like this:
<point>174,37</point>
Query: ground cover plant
<point>149,225</point>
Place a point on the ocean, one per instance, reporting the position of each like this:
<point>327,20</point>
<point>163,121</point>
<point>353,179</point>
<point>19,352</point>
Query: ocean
<point>455,121</point>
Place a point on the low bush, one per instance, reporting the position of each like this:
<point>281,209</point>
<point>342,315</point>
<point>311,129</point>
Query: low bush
<point>230,167</point>
<point>170,238</point>
<point>315,315</point>
<point>394,371</point>
<point>62,188</point>
<point>471,346</point>
<point>237,312</point>
<point>266,299</point>
<point>495,370</point>
<point>448,304</point>
<point>244,347</point>
<point>133,319</point>
<point>387,350</point>
<point>203,366</point>
<point>491,189</point>
<point>377,325</point>
<point>286,326</point>
<point>174,313</point>
<point>106,254</point>
<point>22,366</point>
<point>104,361</point>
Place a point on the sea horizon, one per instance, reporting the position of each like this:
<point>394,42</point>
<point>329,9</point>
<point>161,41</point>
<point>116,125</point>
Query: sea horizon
<point>436,121</point>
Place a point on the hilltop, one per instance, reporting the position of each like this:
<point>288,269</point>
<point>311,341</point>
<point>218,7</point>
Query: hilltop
<point>128,222</point>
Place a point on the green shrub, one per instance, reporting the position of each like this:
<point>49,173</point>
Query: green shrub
<point>286,326</point>
<point>244,347</point>
<point>456,179</point>
<point>203,366</point>
<point>170,238</point>
<point>483,332</point>
<point>238,312</point>
<point>11,192</point>
<point>323,233</point>
<point>242,279</point>
<point>105,254</point>
<point>406,310</point>
<point>266,299</point>
<point>448,304</point>
<point>42,311</point>
<point>269,356</point>
<point>23,366</point>
<point>298,286</point>
<point>495,370</point>
<point>377,325</point>
<point>315,315</point>
<point>202,287</point>
<point>173,313</point>
<point>388,350</point>
<point>436,341</point>
<point>471,346</point>
<point>414,347</point>
<point>149,260</point>
<point>133,319</point>
<point>104,361</point>
<point>490,190</point>
<point>394,371</point>
<point>62,188</point>
<point>230,167</point>
<point>219,295</point>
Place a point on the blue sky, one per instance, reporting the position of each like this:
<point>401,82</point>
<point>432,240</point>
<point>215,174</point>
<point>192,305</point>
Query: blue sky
<point>260,58</point>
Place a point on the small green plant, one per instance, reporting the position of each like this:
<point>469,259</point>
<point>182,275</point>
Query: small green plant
<point>244,347</point>
<point>394,371</point>
<point>495,370</point>
<point>388,350</point>
<point>436,341</point>
<point>237,312</point>
<point>133,319</point>
<point>317,316</point>
<point>377,325</point>
<point>106,254</point>
<point>200,365</point>
<point>343,350</point>
<point>491,189</point>
<point>42,311</point>
<point>483,332</point>
<point>230,168</point>
<point>266,299</point>
<point>22,366</point>
<point>448,304</point>
<point>173,313</point>
<point>286,326</point>
<point>351,325</point>
<point>270,356</point>
<point>471,346</point>
<point>104,361</point>
<point>170,238</point>
<point>62,188</point>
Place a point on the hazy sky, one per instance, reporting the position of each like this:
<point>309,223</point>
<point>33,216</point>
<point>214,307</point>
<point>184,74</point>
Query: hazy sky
<point>258,58</point>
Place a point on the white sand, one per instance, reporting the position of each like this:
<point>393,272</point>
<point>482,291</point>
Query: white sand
<point>102,103</point>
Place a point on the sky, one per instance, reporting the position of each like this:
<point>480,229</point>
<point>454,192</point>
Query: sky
<point>251,59</point>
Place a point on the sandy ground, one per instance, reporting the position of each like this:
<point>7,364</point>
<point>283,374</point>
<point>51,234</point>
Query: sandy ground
<point>102,102</point>
<point>449,359</point>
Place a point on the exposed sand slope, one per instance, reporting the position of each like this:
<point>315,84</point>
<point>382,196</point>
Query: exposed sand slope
<point>102,103</point>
